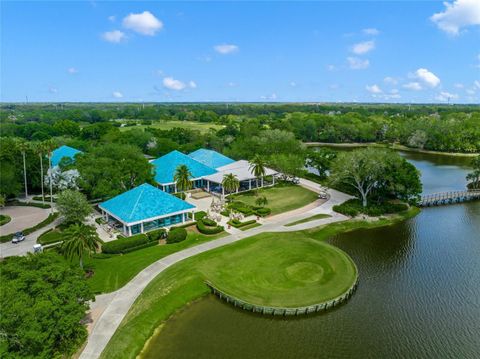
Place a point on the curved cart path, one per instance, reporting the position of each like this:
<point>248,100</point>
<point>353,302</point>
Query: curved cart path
<point>113,307</point>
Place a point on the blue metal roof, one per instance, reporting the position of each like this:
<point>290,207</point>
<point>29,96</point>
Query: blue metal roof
<point>143,202</point>
<point>211,158</point>
<point>166,165</point>
<point>63,151</point>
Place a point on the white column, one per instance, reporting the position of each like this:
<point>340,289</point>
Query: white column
<point>223,191</point>
<point>141,228</point>
<point>175,187</point>
<point>125,230</point>
<point>129,231</point>
<point>208,186</point>
<point>183,217</point>
<point>249,184</point>
<point>273,178</point>
<point>262,181</point>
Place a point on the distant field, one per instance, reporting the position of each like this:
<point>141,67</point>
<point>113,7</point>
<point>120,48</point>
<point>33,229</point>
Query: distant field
<point>168,125</point>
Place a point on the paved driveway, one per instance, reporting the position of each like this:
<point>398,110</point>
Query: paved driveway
<point>22,217</point>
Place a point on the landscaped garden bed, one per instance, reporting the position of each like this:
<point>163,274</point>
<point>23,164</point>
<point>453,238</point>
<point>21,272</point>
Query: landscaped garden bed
<point>4,219</point>
<point>353,207</point>
<point>47,221</point>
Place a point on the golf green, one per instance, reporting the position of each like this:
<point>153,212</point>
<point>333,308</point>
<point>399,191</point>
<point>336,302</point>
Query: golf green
<point>282,270</point>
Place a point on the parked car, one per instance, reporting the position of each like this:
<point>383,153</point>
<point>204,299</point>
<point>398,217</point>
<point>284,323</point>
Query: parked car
<point>37,248</point>
<point>322,195</point>
<point>295,180</point>
<point>18,237</point>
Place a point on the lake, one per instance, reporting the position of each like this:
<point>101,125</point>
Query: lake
<point>418,297</point>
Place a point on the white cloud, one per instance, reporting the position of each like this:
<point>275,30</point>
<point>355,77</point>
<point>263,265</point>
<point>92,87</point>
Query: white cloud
<point>357,64</point>
<point>446,96</point>
<point>458,86</point>
<point>458,14</point>
<point>117,94</point>
<point>177,85</point>
<point>393,91</point>
<point>52,89</point>
<point>226,49</point>
<point>363,47</point>
<point>331,67</point>
<point>427,77</point>
<point>470,91</point>
<point>232,84</point>
<point>112,18</point>
<point>72,70</point>
<point>114,36</point>
<point>414,86</point>
<point>390,80</point>
<point>373,89</point>
<point>476,84</point>
<point>293,84</point>
<point>371,31</point>
<point>144,23</point>
<point>273,96</point>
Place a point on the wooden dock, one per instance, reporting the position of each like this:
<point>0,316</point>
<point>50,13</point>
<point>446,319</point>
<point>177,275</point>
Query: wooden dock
<point>443,198</point>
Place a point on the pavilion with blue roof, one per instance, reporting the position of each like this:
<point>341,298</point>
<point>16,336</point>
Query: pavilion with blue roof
<point>211,158</point>
<point>63,152</point>
<point>166,166</point>
<point>145,208</point>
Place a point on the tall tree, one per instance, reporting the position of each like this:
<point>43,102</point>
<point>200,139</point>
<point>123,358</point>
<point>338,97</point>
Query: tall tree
<point>40,150</point>
<point>230,183</point>
<point>79,240</point>
<point>111,169</point>
<point>321,159</point>
<point>474,176</point>
<point>182,178</point>
<point>23,146</point>
<point>73,206</point>
<point>50,145</point>
<point>258,167</point>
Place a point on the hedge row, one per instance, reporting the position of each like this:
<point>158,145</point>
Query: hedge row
<point>47,198</point>
<point>50,236</point>
<point>353,207</point>
<point>29,204</point>
<point>247,210</point>
<point>27,231</point>
<point>176,235</point>
<point>207,229</point>
<point>199,215</point>
<point>237,224</point>
<point>4,219</point>
<point>125,245</point>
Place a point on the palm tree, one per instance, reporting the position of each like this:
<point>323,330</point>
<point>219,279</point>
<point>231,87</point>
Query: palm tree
<point>182,178</point>
<point>79,239</point>
<point>40,150</point>
<point>261,201</point>
<point>50,145</point>
<point>23,146</point>
<point>258,167</point>
<point>230,183</point>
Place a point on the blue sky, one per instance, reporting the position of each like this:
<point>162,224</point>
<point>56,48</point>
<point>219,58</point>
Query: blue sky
<point>241,51</point>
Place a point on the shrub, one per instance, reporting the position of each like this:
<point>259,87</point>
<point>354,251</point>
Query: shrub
<point>50,236</point>
<point>4,219</point>
<point>176,235</point>
<point>47,198</point>
<point>100,220</point>
<point>29,204</point>
<point>200,215</point>
<point>237,224</point>
<point>225,213</point>
<point>27,231</point>
<point>209,222</point>
<point>262,212</point>
<point>202,228</point>
<point>353,207</point>
<point>125,245</point>
<point>156,234</point>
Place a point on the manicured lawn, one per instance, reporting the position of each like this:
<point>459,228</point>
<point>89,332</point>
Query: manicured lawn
<point>4,219</point>
<point>52,236</point>
<point>168,125</point>
<point>113,272</point>
<point>309,219</point>
<point>184,282</point>
<point>281,198</point>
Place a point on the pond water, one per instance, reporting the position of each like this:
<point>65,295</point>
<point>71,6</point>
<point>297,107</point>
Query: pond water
<point>419,294</point>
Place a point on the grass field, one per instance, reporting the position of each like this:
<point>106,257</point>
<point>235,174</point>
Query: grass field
<point>168,125</point>
<point>4,219</point>
<point>281,198</point>
<point>115,271</point>
<point>309,219</point>
<point>184,282</point>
